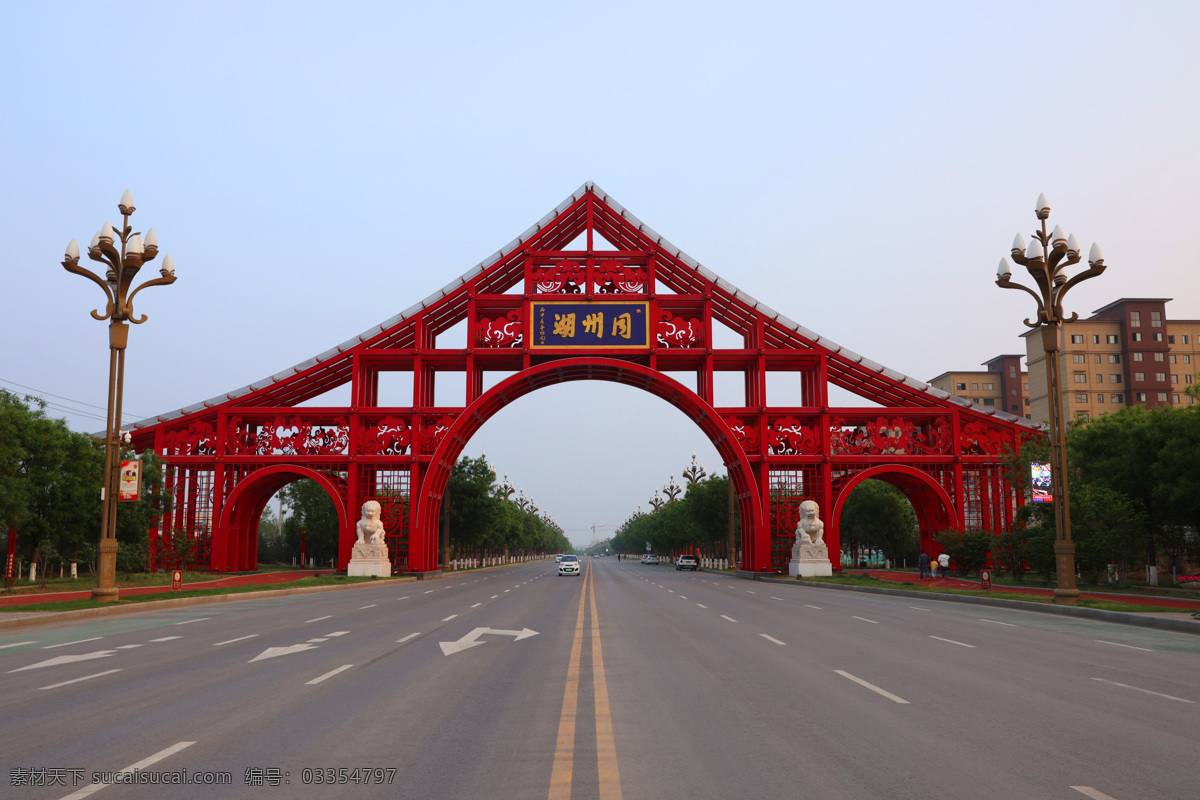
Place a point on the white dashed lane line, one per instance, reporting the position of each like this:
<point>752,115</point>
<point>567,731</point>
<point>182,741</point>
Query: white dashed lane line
<point>77,680</point>
<point>190,621</point>
<point>1130,646</point>
<point>1146,691</point>
<point>864,619</point>
<point>872,687</point>
<point>166,639</point>
<point>806,605</point>
<point>328,675</point>
<point>92,788</point>
<point>452,616</point>
<point>17,644</point>
<point>77,641</point>
<point>239,639</point>
<point>364,608</point>
<point>318,619</point>
<point>702,605</point>
<point>951,641</point>
<point>771,639</point>
<point>477,605</point>
<point>406,638</point>
<point>731,619</point>
<point>997,622</point>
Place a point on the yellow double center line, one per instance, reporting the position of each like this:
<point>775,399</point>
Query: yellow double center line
<point>606,749</point>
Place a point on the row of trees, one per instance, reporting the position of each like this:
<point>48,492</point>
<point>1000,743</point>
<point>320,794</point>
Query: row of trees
<point>1134,479</point>
<point>50,480</point>
<point>696,522</point>
<point>481,521</point>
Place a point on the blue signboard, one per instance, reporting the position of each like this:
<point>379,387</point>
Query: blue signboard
<point>572,324</point>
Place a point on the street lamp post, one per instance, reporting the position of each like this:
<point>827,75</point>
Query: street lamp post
<point>122,268</point>
<point>1046,258</point>
<point>695,472</point>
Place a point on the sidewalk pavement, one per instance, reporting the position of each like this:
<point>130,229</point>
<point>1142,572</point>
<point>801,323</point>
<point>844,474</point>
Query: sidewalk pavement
<point>255,579</point>
<point>898,576</point>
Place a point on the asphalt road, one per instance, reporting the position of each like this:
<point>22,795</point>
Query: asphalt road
<point>634,681</point>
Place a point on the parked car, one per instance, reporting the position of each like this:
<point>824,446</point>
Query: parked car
<point>569,565</point>
<point>687,561</point>
<point>649,559</point>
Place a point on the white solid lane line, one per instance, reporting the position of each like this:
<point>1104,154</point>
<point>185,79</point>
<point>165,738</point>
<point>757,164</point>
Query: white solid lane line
<point>872,687</point>
<point>1092,793</point>
<point>1130,646</point>
<point>864,619</point>
<point>239,639</point>
<point>77,641</point>
<point>318,619</point>
<point>329,674</point>
<point>77,680</point>
<point>951,641</point>
<point>1147,691</point>
<point>772,639</point>
<point>145,762</point>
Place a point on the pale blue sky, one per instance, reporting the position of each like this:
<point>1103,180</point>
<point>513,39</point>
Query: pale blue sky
<point>313,169</point>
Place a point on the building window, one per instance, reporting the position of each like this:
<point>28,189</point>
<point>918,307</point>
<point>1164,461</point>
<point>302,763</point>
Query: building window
<point>1185,341</point>
<point>1099,378</point>
<point>1095,338</point>
<point>1013,392</point>
<point>1115,358</point>
<point>1135,319</point>
<point>1174,378</point>
<point>1027,402</point>
<point>1027,385</point>
<point>1140,396</point>
<point>1160,376</point>
<point>1079,358</point>
<point>989,401</point>
<point>987,387</point>
<point>1012,372</point>
<point>1139,376</point>
<point>1097,358</point>
<point>1162,397</point>
<point>1115,379</point>
<point>1118,398</point>
<point>1081,398</point>
<point>1076,338</point>
<point>1175,399</point>
<point>1138,356</point>
<point>1159,356</point>
<point>1137,337</point>
<point>1187,378</point>
<point>1080,377</point>
<point>1170,338</point>
<point>975,387</point>
<point>1113,338</point>
<point>1171,359</point>
<point>1100,398</point>
<point>1187,359</point>
<point>1156,337</point>
<point>1155,319</point>
<point>974,399</point>
<point>960,387</point>
<point>1082,416</point>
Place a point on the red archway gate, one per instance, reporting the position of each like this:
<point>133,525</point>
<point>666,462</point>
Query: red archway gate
<point>587,293</point>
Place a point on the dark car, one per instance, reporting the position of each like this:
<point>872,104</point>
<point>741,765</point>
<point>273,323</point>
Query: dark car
<point>687,562</point>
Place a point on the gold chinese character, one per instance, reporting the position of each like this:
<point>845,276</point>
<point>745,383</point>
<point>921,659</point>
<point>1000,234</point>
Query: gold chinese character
<point>564,325</point>
<point>623,326</point>
<point>594,323</point>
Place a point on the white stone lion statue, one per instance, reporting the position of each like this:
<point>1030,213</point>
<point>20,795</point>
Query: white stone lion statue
<point>810,528</point>
<point>370,529</point>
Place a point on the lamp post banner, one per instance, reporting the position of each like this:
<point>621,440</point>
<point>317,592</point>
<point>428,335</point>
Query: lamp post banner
<point>131,480</point>
<point>567,324</point>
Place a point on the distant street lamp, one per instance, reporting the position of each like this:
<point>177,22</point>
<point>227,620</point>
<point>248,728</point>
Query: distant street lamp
<point>1046,258</point>
<point>695,472</point>
<point>123,266</point>
<point>672,490</point>
<point>656,502</point>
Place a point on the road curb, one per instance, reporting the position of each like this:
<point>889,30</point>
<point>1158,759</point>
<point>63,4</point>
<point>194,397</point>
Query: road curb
<point>1120,617</point>
<point>48,617</point>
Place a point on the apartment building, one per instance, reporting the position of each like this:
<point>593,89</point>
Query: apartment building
<point>1126,353</point>
<point>1003,385</point>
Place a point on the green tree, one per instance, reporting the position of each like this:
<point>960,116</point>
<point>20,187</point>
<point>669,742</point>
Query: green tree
<point>969,550</point>
<point>312,510</point>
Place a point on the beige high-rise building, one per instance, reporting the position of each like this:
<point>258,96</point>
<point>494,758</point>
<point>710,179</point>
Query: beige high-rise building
<point>1126,353</point>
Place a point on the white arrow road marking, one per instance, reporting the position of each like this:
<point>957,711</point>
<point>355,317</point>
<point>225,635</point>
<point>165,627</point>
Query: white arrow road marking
<point>272,652</point>
<point>54,662</point>
<point>470,640</point>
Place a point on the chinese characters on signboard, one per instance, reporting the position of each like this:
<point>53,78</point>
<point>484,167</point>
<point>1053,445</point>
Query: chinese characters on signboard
<point>565,324</point>
<point>1041,483</point>
<point>131,480</point>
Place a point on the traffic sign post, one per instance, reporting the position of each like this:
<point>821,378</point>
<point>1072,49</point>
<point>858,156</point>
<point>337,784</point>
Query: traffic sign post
<point>176,579</point>
<point>985,577</point>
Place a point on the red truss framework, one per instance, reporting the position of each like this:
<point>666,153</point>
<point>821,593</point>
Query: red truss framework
<point>591,260</point>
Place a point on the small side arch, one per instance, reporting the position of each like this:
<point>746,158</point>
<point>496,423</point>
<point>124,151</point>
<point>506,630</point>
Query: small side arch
<point>933,505</point>
<point>238,523</point>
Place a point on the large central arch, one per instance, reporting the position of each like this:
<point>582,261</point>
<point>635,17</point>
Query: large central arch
<point>589,292</point>
<point>582,369</point>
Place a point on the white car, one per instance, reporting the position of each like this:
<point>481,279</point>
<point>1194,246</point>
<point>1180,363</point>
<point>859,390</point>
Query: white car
<point>558,558</point>
<point>569,565</point>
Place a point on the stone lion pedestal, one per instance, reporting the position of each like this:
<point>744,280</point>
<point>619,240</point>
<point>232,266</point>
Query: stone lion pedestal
<point>369,558</point>
<point>810,560</point>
